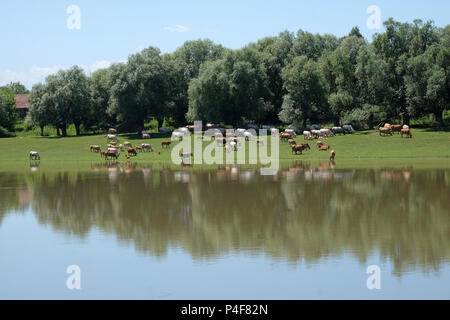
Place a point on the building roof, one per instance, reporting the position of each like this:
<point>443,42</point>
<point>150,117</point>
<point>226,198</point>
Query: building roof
<point>22,101</point>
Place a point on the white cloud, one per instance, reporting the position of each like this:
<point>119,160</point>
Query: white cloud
<point>177,28</point>
<point>38,74</point>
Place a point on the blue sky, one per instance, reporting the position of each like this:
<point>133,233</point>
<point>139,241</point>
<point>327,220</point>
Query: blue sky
<point>36,40</point>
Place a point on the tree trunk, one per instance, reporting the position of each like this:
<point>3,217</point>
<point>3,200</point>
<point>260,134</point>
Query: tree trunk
<point>58,132</point>
<point>406,119</point>
<point>64,131</point>
<point>439,118</point>
<point>370,121</point>
<point>42,131</point>
<point>77,128</point>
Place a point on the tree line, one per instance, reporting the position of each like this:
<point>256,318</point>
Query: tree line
<point>300,79</point>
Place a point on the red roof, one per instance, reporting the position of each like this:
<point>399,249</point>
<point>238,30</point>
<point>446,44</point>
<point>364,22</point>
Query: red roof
<point>22,101</point>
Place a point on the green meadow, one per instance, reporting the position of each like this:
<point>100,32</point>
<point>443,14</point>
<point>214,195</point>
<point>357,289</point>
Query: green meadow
<point>362,149</point>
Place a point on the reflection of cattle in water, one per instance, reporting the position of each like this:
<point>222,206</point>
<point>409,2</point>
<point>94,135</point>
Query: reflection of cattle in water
<point>396,175</point>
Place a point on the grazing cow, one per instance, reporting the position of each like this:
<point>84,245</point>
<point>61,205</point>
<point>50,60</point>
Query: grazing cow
<point>305,145</point>
<point>146,147</point>
<point>138,149</point>
<point>332,155</point>
<point>324,148</point>
<point>185,156</point>
<point>95,149</point>
<point>396,128</point>
<point>292,142</point>
<point>103,154</point>
<point>121,147</point>
<point>145,136</point>
<point>297,148</point>
<point>34,155</point>
<point>127,145</point>
<point>248,135</point>
<point>406,132</point>
<point>319,144</point>
<point>285,136</point>
<point>132,152</point>
<point>348,128</point>
<point>111,154</point>
<point>326,133</point>
<point>307,135</point>
<point>339,130</point>
<point>315,133</point>
<point>233,146</point>
<point>405,127</point>
<point>166,144</point>
<point>291,132</point>
<point>385,131</point>
<point>112,137</point>
<point>177,136</point>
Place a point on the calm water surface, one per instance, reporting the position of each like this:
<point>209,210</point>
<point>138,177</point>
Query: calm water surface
<point>143,233</point>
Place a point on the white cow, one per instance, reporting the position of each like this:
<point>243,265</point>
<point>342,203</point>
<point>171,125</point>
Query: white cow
<point>240,132</point>
<point>274,132</point>
<point>34,155</point>
<point>177,136</point>
<point>348,128</point>
<point>326,133</point>
<point>405,127</point>
<point>248,135</point>
<point>291,132</point>
<point>339,130</point>
<point>307,135</point>
<point>112,137</point>
<point>315,133</point>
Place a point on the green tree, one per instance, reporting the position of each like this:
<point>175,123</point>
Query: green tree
<point>8,114</point>
<point>307,92</point>
<point>233,90</point>
<point>140,90</point>
<point>17,88</point>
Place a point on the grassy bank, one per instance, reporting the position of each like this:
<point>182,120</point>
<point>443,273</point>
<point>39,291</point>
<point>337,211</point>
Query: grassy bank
<point>367,149</point>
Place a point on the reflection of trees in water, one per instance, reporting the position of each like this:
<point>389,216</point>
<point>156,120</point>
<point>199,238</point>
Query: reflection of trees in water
<point>307,213</point>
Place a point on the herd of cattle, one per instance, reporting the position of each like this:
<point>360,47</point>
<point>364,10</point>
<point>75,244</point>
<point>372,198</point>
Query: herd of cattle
<point>389,129</point>
<point>229,139</point>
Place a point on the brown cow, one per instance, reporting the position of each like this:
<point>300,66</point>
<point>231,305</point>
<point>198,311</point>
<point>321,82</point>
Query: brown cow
<point>406,132</point>
<point>385,131</point>
<point>324,148</point>
<point>285,136</point>
<point>132,152</point>
<point>332,155</point>
<point>396,128</point>
<point>292,142</point>
<point>111,154</point>
<point>298,148</point>
<point>319,144</point>
<point>166,144</point>
<point>306,145</point>
<point>95,149</point>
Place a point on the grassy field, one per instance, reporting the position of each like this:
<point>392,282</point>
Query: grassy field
<point>367,149</point>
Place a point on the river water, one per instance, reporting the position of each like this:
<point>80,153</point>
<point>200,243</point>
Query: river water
<point>309,232</point>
